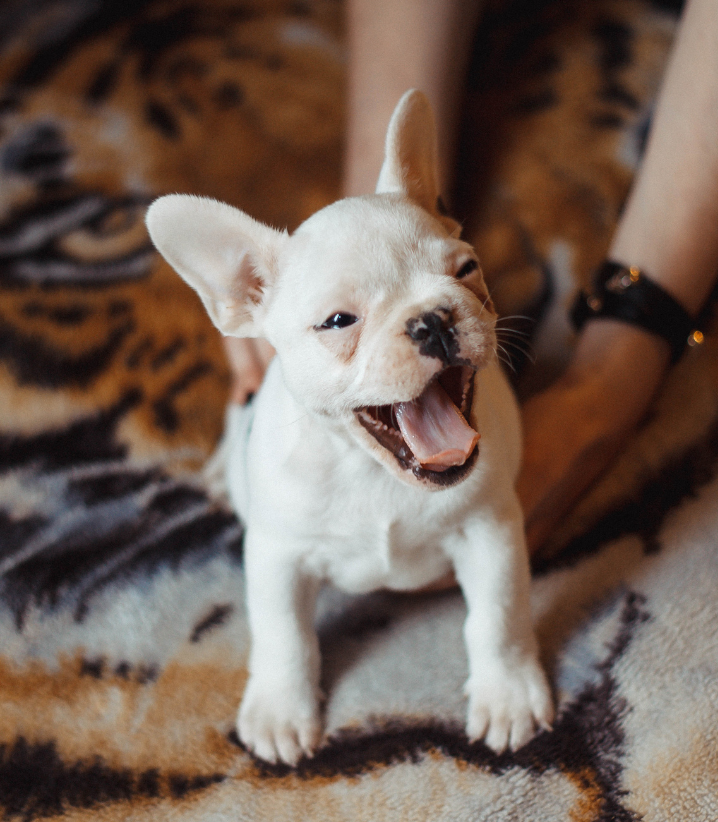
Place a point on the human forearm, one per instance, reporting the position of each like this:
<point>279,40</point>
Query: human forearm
<point>670,224</point>
<point>395,45</point>
<point>669,229</point>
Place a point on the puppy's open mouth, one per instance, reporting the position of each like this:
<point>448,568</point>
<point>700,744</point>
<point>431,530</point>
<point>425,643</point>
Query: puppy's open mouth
<point>431,435</point>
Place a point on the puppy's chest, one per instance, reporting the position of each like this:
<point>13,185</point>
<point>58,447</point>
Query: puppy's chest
<point>380,551</point>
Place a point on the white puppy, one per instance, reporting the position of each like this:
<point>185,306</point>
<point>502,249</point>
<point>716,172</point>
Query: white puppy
<point>362,465</point>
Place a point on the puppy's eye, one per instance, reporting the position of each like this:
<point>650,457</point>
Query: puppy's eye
<point>339,320</point>
<point>467,268</point>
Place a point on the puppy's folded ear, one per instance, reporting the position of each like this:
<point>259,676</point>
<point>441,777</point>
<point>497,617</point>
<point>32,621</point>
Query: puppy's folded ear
<point>411,157</point>
<point>226,256</point>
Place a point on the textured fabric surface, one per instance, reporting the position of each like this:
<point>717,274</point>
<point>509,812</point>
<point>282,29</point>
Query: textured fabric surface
<point>123,637</point>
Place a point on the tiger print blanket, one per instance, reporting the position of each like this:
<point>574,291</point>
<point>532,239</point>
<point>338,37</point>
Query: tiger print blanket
<point>123,637</point>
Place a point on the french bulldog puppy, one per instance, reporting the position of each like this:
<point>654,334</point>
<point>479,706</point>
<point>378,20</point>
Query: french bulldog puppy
<point>384,442</point>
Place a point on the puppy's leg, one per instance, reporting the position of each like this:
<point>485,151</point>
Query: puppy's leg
<point>279,716</point>
<point>508,694</point>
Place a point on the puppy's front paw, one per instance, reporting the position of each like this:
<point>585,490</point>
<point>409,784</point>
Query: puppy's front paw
<point>279,724</point>
<point>508,703</point>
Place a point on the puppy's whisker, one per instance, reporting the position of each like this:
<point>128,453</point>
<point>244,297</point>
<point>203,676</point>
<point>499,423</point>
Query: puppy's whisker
<point>523,352</point>
<point>508,317</point>
<point>509,346</point>
<point>521,345</point>
<point>506,359</point>
<point>293,422</point>
<point>508,364</point>
<point>513,341</point>
<point>516,331</point>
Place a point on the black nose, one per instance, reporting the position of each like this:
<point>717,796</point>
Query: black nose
<point>435,333</point>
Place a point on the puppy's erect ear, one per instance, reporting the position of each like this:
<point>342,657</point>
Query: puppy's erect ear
<point>411,158</point>
<point>226,256</point>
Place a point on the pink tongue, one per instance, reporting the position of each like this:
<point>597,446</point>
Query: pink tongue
<point>435,429</point>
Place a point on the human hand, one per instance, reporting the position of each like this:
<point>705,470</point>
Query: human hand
<point>248,361</point>
<point>575,428</point>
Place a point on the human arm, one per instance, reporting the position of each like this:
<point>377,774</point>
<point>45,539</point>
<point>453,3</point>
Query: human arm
<point>669,229</point>
<point>395,45</point>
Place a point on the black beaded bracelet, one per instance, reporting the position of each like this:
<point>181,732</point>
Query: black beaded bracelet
<point>626,293</point>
